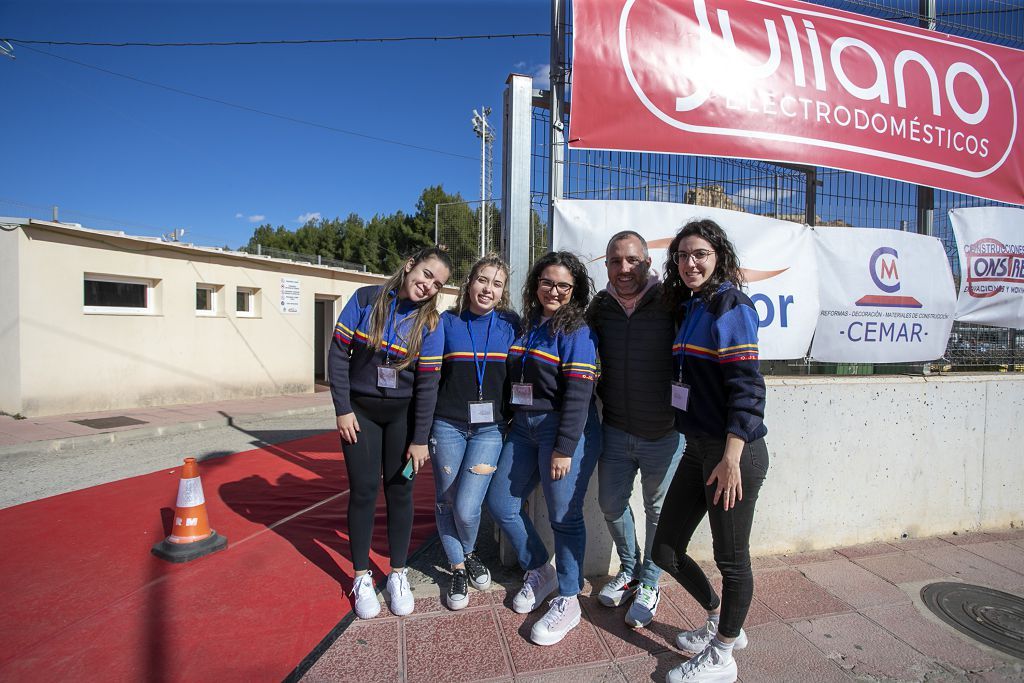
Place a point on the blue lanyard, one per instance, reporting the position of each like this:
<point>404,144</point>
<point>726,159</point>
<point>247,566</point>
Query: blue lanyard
<point>690,325</point>
<point>391,324</point>
<point>481,368</point>
<point>526,351</point>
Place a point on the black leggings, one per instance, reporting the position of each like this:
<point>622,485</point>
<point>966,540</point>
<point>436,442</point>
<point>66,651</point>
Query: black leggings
<point>687,501</point>
<point>381,446</point>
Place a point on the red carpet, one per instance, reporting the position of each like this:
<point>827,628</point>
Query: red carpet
<point>83,599</point>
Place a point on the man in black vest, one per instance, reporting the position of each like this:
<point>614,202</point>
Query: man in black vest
<point>635,331</point>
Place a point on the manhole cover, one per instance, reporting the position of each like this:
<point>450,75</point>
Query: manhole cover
<point>110,422</point>
<point>987,616</point>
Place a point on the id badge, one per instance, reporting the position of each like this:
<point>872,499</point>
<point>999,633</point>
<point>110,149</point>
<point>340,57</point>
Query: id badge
<point>522,394</point>
<point>387,377</point>
<point>680,395</point>
<point>481,412</point>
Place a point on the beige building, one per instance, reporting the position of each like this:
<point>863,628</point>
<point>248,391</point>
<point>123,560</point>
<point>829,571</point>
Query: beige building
<point>94,320</point>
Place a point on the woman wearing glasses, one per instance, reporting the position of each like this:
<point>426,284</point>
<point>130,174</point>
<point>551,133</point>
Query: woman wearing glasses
<point>719,396</point>
<point>554,439</point>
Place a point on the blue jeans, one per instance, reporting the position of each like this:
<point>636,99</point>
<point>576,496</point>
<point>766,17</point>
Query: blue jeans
<point>464,457</point>
<point>656,460</point>
<point>526,461</point>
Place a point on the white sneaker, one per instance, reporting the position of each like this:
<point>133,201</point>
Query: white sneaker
<point>710,666</point>
<point>697,640</point>
<point>401,602</point>
<point>538,584</point>
<point>563,616</point>
<point>618,590</point>
<point>367,605</point>
<point>644,607</point>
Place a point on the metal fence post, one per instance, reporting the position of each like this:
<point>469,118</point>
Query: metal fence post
<point>515,177</point>
<point>558,77</point>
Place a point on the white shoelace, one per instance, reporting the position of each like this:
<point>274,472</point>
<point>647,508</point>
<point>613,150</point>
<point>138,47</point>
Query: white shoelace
<point>554,615</point>
<point>362,583</point>
<point>531,582</point>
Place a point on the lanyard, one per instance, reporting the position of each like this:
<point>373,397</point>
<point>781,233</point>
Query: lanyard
<point>689,326</point>
<point>526,351</point>
<point>481,368</point>
<point>393,325</point>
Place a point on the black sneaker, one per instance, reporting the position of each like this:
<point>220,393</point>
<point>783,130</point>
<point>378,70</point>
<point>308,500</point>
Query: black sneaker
<point>458,591</point>
<point>479,574</point>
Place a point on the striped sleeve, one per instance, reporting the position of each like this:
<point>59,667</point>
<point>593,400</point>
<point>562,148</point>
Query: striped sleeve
<point>338,356</point>
<point>428,377</point>
<point>578,353</point>
<point>735,335</point>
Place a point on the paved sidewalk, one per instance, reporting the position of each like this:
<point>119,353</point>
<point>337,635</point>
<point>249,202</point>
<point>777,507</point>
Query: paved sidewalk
<point>59,432</point>
<point>845,614</point>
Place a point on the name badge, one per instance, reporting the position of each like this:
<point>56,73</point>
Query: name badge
<point>481,412</point>
<point>680,395</point>
<point>522,394</point>
<point>387,377</point>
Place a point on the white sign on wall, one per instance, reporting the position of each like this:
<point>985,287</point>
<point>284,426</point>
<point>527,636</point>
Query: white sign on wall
<point>886,296</point>
<point>990,242</point>
<point>290,294</point>
<point>777,257</point>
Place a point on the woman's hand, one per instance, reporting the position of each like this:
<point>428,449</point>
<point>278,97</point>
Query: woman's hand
<point>419,454</point>
<point>727,474</point>
<point>560,465</point>
<point>348,427</point>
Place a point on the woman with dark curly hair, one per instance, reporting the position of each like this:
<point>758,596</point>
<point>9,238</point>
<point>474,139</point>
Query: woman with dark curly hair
<point>554,440</point>
<point>719,395</point>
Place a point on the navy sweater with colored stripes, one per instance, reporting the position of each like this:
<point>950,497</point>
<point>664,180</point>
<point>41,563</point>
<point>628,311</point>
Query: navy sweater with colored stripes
<point>562,369</point>
<point>716,349</point>
<point>459,371</point>
<point>352,365</point>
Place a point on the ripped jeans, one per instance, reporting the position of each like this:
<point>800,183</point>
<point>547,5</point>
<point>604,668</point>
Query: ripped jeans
<point>463,457</point>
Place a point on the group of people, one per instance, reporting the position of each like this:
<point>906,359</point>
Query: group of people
<point>501,403</point>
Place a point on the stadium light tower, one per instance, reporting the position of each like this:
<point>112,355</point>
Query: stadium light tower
<point>485,132</point>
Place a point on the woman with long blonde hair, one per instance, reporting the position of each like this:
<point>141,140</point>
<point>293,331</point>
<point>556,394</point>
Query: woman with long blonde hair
<point>384,367</point>
<point>470,417</point>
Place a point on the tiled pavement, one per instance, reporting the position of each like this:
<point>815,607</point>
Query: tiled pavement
<point>843,614</point>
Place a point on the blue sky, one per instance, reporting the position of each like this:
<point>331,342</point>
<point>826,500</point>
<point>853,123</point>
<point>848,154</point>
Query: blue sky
<point>117,154</point>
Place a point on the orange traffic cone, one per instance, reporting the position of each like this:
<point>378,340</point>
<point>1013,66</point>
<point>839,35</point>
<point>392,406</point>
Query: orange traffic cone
<point>191,536</point>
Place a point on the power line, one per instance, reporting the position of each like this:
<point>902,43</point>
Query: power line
<point>282,117</point>
<point>324,41</point>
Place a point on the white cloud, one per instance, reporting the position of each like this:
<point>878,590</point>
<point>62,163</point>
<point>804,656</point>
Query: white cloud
<point>750,196</point>
<point>541,74</point>
<point>307,217</point>
<point>256,218</point>
<point>238,215</point>
<point>519,65</point>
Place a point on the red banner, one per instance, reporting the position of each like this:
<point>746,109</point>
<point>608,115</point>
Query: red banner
<point>789,81</point>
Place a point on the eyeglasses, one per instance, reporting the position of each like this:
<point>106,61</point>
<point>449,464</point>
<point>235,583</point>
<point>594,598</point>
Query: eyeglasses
<point>547,285</point>
<point>699,256</point>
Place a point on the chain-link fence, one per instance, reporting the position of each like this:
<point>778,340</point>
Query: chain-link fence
<point>260,250</point>
<point>816,195</point>
<point>467,234</point>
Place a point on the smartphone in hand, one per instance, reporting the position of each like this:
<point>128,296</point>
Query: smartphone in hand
<point>407,471</point>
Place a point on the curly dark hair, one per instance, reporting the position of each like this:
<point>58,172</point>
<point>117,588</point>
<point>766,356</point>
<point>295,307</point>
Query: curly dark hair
<point>727,267</point>
<point>569,317</point>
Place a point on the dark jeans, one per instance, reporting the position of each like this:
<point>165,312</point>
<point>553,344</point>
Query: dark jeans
<point>686,503</point>
<point>380,449</point>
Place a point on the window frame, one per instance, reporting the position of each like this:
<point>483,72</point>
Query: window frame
<point>151,288</point>
<point>214,310</point>
<point>252,294</point>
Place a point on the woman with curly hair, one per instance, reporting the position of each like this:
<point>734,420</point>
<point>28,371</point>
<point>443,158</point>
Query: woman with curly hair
<point>384,366</point>
<point>554,440</point>
<point>719,395</point>
<point>470,417</point>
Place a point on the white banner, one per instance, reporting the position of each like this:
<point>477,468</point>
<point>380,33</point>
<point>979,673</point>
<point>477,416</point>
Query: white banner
<point>886,296</point>
<point>777,256</point>
<point>990,242</point>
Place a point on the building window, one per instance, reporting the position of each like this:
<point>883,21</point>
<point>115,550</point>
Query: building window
<point>246,302</point>
<point>114,294</point>
<point>206,299</point>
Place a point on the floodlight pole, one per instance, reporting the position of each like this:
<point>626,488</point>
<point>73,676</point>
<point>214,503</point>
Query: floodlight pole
<point>557,93</point>
<point>925,194</point>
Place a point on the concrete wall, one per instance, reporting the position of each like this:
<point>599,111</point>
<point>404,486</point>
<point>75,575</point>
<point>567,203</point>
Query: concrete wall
<point>10,346</point>
<point>865,459</point>
<point>73,361</point>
